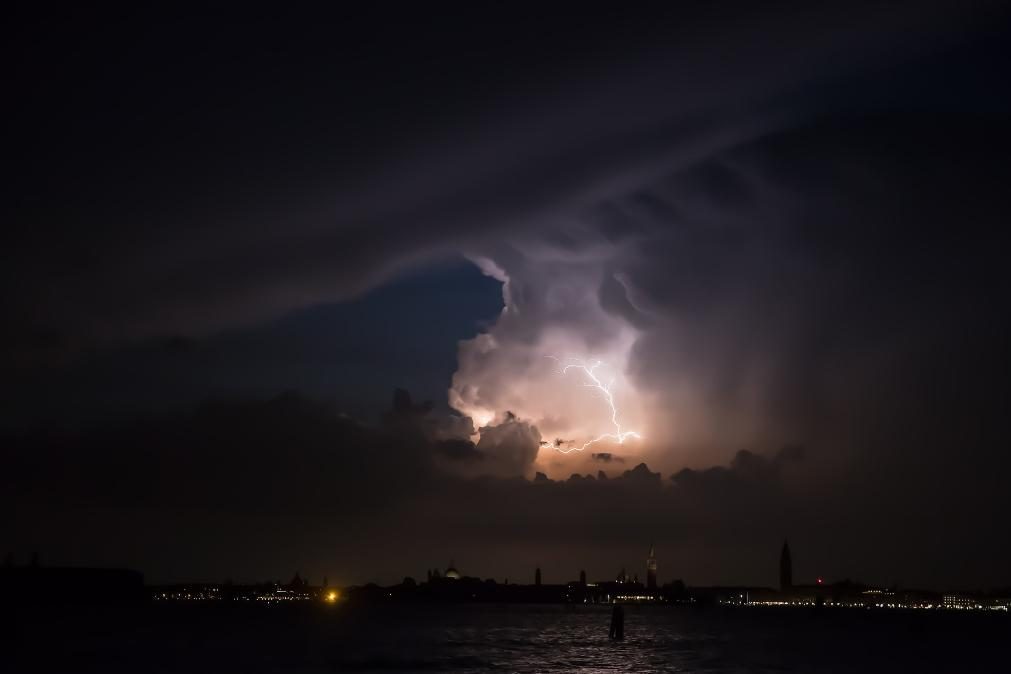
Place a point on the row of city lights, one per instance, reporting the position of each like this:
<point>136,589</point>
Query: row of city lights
<point>890,605</point>
<point>329,597</point>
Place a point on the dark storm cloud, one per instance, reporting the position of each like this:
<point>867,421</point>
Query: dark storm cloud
<point>244,489</point>
<point>606,457</point>
<point>179,238</point>
<point>745,468</point>
<point>316,470</point>
<point>799,211</point>
<point>783,313</point>
<point>513,442</point>
<point>460,450</point>
<point>306,457</point>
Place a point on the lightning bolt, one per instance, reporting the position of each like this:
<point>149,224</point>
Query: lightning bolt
<point>589,369</point>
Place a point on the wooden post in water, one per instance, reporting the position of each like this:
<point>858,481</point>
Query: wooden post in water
<point>617,622</point>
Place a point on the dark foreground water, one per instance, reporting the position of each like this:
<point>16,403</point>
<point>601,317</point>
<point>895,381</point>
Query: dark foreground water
<point>515,638</point>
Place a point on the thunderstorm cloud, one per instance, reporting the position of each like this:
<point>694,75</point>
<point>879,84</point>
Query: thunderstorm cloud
<point>778,229</point>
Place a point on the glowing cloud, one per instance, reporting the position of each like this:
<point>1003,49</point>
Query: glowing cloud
<point>619,436</point>
<point>555,303</point>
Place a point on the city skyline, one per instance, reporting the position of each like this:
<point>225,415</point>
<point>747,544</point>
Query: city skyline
<point>648,583</point>
<point>35,583</point>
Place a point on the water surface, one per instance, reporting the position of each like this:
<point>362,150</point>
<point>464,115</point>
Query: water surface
<point>512,638</point>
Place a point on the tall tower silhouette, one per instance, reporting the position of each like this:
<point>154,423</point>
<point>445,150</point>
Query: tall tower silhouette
<point>651,568</point>
<point>537,576</point>
<point>785,568</point>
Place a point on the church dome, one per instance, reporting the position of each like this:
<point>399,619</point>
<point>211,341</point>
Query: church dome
<point>451,572</point>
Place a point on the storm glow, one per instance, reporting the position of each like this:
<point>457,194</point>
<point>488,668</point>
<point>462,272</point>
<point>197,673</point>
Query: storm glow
<point>589,368</point>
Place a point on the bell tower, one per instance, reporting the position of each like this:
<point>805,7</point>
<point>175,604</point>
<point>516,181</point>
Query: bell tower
<point>651,568</point>
<point>785,568</point>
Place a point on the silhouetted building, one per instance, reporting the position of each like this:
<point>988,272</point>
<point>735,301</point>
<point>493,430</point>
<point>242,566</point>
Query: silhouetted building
<point>785,568</point>
<point>608,592</point>
<point>537,576</point>
<point>651,568</point>
<point>582,577</point>
<point>451,572</point>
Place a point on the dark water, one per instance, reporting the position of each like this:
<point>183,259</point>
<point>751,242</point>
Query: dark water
<point>477,638</point>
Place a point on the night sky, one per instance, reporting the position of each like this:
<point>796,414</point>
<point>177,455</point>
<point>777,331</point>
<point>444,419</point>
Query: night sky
<point>230,237</point>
